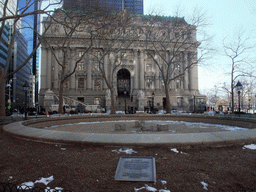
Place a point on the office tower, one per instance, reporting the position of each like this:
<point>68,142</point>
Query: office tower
<point>132,6</point>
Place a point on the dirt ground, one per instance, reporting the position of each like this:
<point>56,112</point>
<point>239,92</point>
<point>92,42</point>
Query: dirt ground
<point>92,168</point>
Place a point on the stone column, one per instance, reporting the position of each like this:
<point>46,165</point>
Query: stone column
<point>157,81</point>
<point>56,71</point>
<point>186,82</point>
<point>194,73</point>
<point>142,70</point>
<point>72,66</point>
<point>43,67</point>
<point>106,61</point>
<point>136,72</point>
<point>89,72</point>
<point>48,70</point>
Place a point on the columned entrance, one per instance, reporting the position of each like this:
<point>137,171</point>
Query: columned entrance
<point>123,82</point>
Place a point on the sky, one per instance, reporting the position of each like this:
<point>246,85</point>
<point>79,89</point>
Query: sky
<point>226,18</point>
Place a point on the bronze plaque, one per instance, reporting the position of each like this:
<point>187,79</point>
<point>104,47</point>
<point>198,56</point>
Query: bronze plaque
<point>136,169</point>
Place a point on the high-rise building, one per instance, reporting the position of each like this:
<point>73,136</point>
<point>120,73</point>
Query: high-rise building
<point>19,55</point>
<point>4,46</point>
<point>30,28</point>
<point>132,6</point>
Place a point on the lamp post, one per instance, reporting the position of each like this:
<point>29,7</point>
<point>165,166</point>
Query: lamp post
<point>125,92</point>
<point>25,88</point>
<point>153,95</point>
<point>239,87</point>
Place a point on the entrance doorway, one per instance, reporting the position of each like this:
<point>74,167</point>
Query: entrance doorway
<point>123,82</point>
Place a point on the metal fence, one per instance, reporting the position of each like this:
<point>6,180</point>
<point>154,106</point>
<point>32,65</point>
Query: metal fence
<point>10,187</point>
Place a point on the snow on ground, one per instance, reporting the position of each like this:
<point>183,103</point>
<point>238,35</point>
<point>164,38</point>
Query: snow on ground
<point>176,151</point>
<point>188,124</point>
<point>45,181</point>
<point>205,185</point>
<point>251,146</point>
<point>127,151</point>
<point>149,188</point>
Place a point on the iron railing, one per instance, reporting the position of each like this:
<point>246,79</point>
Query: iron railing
<point>11,187</point>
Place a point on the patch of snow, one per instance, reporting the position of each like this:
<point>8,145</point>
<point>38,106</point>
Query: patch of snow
<point>45,180</point>
<point>205,185</point>
<point>138,189</point>
<point>26,185</point>
<point>163,182</point>
<point>164,190</point>
<point>127,151</point>
<point>175,150</point>
<point>56,189</point>
<point>251,146</point>
<point>63,149</point>
<point>150,188</point>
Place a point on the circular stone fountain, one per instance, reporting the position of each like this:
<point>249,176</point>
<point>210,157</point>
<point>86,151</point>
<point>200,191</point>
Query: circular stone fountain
<point>135,129</point>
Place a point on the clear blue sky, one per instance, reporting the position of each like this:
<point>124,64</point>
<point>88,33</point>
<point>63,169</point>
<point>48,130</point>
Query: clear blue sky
<point>226,18</point>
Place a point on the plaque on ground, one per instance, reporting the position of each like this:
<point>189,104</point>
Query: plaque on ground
<point>136,169</point>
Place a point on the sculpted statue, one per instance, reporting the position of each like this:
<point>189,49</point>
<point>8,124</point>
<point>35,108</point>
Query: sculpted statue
<point>141,94</point>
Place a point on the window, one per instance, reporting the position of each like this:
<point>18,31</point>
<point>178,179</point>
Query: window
<point>97,102</point>
<point>149,67</point>
<point>97,54</point>
<point>177,84</point>
<point>180,101</point>
<point>80,66</point>
<point>80,53</point>
<point>96,66</point>
<point>80,83</point>
<point>97,84</point>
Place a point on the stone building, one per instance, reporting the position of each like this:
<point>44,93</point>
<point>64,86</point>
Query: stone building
<point>137,80</point>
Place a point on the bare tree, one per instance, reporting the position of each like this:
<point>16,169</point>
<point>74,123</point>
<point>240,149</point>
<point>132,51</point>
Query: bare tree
<point>117,34</point>
<point>72,27</point>
<point>172,46</point>
<point>13,17</point>
<point>238,51</point>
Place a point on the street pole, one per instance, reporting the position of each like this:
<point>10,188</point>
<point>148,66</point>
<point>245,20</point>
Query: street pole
<point>239,107</point>
<point>125,92</point>
<point>26,105</point>
<point>153,94</point>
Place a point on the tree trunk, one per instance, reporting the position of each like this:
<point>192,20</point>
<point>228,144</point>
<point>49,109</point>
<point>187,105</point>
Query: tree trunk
<point>168,103</point>
<point>113,110</point>
<point>232,87</point>
<point>61,98</point>
<point>2,93</point>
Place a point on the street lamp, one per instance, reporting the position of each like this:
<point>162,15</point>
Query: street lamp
<point>25,88</point>
<point>125,92</point>
<point>153,95</point>
<point>239,87</point>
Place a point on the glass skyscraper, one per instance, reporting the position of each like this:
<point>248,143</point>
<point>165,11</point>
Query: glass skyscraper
<point>132,6</point>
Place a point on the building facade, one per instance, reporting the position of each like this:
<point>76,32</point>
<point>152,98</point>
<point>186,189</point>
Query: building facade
<point>137,80</point>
